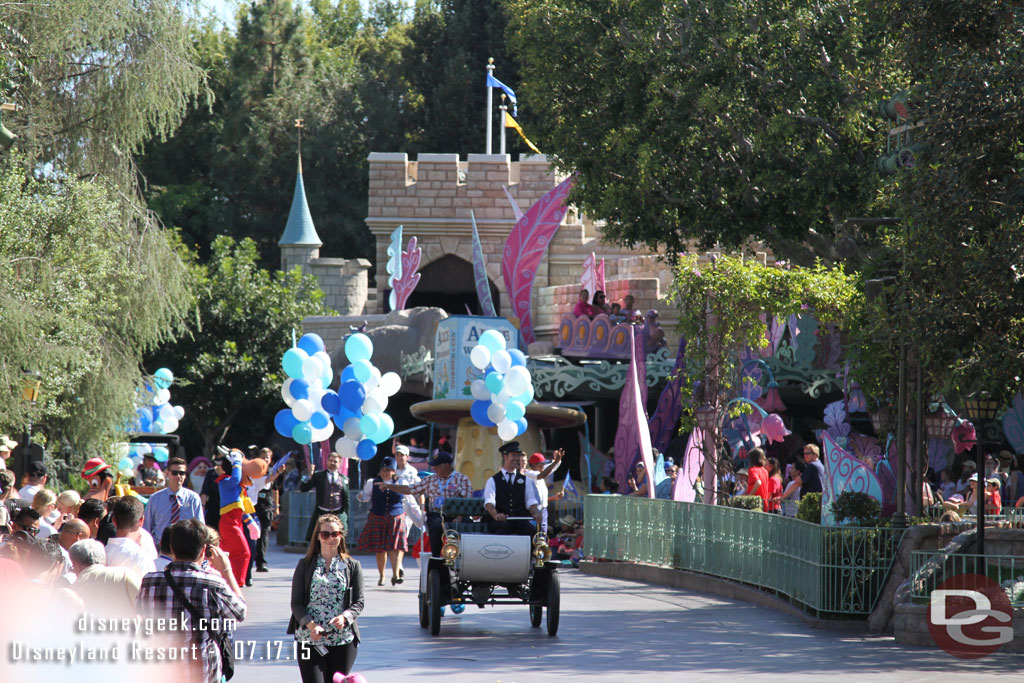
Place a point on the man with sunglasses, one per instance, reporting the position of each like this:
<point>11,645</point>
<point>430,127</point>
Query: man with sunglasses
<point>173,503</point>
<point>27,520</point>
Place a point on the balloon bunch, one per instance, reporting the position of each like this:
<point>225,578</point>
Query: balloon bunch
<point>310,402</point>
<point>506,388</point>
<point>363,396</point>
<point>131,455</point>
<point>156,414</point>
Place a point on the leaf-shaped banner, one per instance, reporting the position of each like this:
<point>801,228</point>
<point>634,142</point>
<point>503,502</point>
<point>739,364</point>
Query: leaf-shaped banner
<point>525,248</point>
<point>394,264</point>
<point>589,278</point>
<point>483,286</point>
<point>410,278</point>
<point>1013,424</point>
<point>844,472</point>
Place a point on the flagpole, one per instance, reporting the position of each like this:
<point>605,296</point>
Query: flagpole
<point>503,109</point>
<point>490,111</point>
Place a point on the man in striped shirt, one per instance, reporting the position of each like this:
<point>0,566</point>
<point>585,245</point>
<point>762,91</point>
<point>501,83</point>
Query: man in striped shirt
<point>214,598</point>
<point>174,503</point>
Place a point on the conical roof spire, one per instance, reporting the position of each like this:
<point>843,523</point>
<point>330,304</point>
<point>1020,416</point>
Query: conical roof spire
<point>300,231</point>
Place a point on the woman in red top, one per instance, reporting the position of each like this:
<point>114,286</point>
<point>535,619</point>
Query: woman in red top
<point>757,477</point>
<point>774,486</point>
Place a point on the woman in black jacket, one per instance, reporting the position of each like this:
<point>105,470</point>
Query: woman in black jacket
<point>327,598</point>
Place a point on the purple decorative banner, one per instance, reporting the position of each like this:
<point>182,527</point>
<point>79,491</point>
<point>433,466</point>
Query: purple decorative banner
<point>691,469</point>
<point>410,278</point>
<point>483,285</point>
<point>525,248</point>
<point>663,423</point>
<point>843,472</point>
<point>633,438</point>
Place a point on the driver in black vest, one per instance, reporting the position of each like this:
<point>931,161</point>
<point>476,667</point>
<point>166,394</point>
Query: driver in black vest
<point>509,493</point>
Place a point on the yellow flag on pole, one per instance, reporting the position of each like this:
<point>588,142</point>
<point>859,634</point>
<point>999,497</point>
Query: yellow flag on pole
<point>511,123</point>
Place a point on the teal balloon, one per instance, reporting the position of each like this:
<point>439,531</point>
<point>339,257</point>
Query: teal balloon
<point>515,410</point>
<point>369,424</point>
<point>292,362</point>
<point>494,382</point>
<point>163,378</point>
<point>493,340</point>
<point>125,464</point>
<point>526,397</point>
<point>358,347</point>
<point>362,369</point>
<point>386,429</point>
<point>302,433</point>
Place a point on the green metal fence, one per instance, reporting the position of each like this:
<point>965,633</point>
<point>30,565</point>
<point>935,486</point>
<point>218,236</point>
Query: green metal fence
<point>929,568</point>
<point>838,570</point>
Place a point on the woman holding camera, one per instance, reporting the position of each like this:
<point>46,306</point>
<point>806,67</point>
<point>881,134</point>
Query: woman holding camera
<point>327,598</point>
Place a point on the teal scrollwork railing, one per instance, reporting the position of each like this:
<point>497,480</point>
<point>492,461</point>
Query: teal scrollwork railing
<point>555,378</point>
<point>837,570</point>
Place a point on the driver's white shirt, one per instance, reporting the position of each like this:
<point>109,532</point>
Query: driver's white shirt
<point>532,498</point>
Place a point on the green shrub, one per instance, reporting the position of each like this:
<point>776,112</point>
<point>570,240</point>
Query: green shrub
<point>746,502</point>
<point>809,508</point>
<point>858,508</point>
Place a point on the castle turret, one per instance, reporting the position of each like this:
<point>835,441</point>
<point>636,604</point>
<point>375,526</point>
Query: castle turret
<point>300,244</point>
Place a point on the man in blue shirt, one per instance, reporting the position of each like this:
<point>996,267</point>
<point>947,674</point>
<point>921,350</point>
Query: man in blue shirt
<point>174,503</point>
<point>810,480</point>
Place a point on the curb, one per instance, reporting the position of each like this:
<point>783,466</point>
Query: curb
<point>705,583</point>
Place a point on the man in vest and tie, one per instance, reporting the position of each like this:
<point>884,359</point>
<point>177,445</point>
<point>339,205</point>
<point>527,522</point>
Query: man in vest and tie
<point>331,493</point>
<point>172,504</point>
<point>511,494</point>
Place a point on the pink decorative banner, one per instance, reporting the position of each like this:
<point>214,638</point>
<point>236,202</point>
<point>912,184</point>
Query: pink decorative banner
<point>599,276</point>
<point>690,469</point>
<point>589,277</point>
<point>524,249</point>
<point>409,278</point>
<point>633,437</point>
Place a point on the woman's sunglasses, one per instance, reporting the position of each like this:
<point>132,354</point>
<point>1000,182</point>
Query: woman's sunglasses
<point>327,535</point>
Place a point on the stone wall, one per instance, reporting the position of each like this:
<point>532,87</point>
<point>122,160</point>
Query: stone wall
<point>344,282</point>
<point>911,626</point>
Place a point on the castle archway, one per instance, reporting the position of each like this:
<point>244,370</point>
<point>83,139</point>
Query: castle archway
<point>448,283</point>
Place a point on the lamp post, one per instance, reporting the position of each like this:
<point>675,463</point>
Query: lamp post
<point>980,409</point>
<point>31,382</point>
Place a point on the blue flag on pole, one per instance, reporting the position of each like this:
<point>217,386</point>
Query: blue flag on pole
<point>570,488</point>
<point>493,82</point>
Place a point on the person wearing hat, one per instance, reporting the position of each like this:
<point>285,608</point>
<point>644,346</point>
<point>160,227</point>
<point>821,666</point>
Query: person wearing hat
<point>408,475</point>
<point>968,503</point>
<point>231,525</point>
<point>963,487</point>
<point>538,469</point>
<point>6,446</point>
<point>100,478</point>
<point>148,472</point>
<point>446,483</point>
<point>993,501</point>
<point>511,494</point>
<point>384,532</point>
<point>36,473</point>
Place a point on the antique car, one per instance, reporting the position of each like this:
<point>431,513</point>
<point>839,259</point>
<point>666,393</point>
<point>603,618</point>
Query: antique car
<point>478,568</point>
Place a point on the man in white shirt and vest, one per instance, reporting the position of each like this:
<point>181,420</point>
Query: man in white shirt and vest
<point>511,494</point>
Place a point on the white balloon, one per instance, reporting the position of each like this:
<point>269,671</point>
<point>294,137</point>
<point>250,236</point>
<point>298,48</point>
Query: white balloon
<point>507,430</point>
<point>179,412</point>
<point>325,433</point>
<point>346,447</point>
<point>501,360</point>
<point>371,405</point>
<point>315,396</point>
<point>166,412</point>
<point>315,385</point>
<point>517,379</point>
<point>302,410</point>
<point>480,357</point>
<point>381,397</point>
<point>144,448</point>
<point>503,397</point>
<point>374,381</point>
<point>312,369</point>
<point>352,430</point>
<point>323,358</point>
<point>479,390</point>
<point>170,425</point>
<point>390,383</point>
<point>496,413</point>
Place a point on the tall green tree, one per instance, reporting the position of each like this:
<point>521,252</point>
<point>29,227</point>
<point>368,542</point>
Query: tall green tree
<point>711,122</point>
<point>227,371</point>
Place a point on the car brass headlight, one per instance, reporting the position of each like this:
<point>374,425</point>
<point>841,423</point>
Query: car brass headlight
<point>542,553</point>
<point>451,536</point>
<point>449,551</point>
<point>540,539</point>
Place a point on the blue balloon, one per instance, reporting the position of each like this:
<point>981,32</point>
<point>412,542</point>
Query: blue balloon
<point>299,389</point>
<point>368,425</point>
<point>386,429</point>
<point>518,357</point>
<point>344,414</point>
<point>319,420</point>
<point>163,378</point>
<point>284,422</point>
<point>526,397</point>
<point>363,369</point>
<point>494,381</point>
<point>366,449</point>
<point>347,374</point>
<point>521,426</point>
<point>352,395</point>
<point>292,362</point>
<point>302,433</point>
<point>358,347</point>
<point>311,343</point>
<point>492,340</point>
<point>331,402</point>
<point>478,411</point>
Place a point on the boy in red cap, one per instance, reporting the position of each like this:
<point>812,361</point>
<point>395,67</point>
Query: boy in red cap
<point>538,469</point>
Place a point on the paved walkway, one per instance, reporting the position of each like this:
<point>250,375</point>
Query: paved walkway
<point>611,630</point>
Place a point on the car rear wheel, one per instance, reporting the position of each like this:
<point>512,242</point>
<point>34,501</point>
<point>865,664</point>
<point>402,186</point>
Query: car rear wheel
<point>434,602</point>
<point>424,611</point>
<point>554,600</point>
